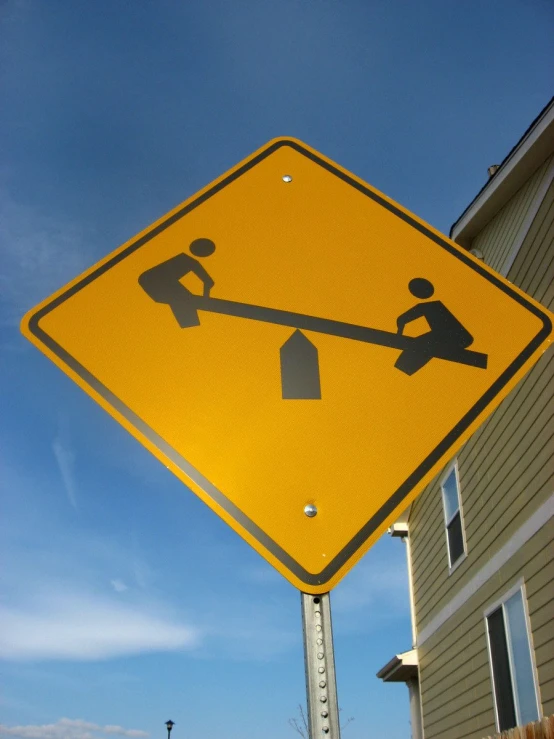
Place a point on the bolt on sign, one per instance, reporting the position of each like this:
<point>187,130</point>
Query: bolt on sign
<point>301,351</point>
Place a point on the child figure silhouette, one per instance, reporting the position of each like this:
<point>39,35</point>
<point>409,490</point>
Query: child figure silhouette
<point>446,336</point>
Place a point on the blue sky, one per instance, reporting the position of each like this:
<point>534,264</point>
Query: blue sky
<point>127,602</point>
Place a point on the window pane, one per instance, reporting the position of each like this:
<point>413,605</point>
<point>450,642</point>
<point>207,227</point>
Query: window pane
<point>455,538</point>
<point>521,659</point>
<point>450,493</point>
<point>501,671</point>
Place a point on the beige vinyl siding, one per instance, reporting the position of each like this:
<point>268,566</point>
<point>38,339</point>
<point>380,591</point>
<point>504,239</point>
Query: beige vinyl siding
<point>533,268</point>
<point>498,236</point>
<point>455,678</point>
<point>505,475</point>
<point>506,469</point>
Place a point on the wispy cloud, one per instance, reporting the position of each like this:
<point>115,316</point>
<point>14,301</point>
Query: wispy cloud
<point>71,626</point>
<point>262,574</point>
<point>248,635</point>
<point>67,728</point>
<point>38,255</point>
<point>142,573</point>
<point>119,586</point>
<point>379,579</point>
<point>75,606</point>
<point>66,464</point>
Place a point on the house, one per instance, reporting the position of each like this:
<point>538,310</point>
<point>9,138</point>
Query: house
<point>480,537</point>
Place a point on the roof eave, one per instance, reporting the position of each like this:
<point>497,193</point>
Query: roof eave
<point>536,144</point>
<point>401,668</point>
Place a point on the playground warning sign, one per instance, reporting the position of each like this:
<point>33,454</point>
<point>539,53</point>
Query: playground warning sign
<point>298,349</point>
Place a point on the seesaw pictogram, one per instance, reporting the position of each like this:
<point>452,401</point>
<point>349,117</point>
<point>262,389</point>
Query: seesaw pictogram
<point>447,338</point>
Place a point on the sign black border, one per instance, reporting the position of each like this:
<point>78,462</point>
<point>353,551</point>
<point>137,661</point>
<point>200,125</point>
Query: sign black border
<point>407,486</point>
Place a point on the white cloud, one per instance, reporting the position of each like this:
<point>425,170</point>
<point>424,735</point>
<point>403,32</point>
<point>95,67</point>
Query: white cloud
<point>73,606</point>
<point>66,464</point>
<point>119,586</point>
<point>81,627</point>
<point>67,728</point>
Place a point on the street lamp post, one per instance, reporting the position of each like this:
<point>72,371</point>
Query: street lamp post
<point>169,725</point>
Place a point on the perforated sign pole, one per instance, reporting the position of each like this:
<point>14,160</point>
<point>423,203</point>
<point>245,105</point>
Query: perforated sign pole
<point>319,657</point>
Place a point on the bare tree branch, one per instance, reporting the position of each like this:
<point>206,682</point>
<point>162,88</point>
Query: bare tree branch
<point>301,727</point>
<point>348,721</point>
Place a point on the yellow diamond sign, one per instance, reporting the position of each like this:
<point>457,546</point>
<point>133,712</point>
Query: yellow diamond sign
<point>300,350</point>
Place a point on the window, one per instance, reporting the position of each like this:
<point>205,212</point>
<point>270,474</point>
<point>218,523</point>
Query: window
<point>513,676</point>
<point>452,515</point>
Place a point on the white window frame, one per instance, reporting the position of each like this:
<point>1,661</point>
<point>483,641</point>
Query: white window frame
<point>462,557</point>
<point>519,586</point>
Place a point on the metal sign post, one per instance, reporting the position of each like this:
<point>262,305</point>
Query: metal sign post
<point>321,685</point>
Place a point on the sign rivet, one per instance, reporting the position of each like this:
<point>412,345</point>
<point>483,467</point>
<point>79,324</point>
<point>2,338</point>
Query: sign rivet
<point>310,510</point>
<point>287,178</point>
